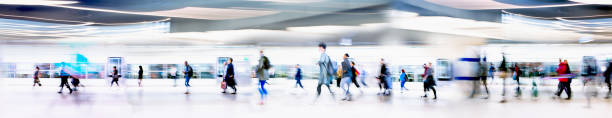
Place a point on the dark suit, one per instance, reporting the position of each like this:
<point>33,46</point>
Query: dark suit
<point>229,76</point>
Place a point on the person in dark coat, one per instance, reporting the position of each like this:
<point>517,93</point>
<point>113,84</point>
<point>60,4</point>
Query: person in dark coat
<point>606,75</point>
<point>64,80</point>
<point>115,76</point>
<point>298,77</point>
<point>36,77</point>
<point>229,76</point>
<point>140,76</point>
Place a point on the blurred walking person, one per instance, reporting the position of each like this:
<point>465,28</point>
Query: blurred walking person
<point>606,75</point>
<point>383,78</point>
<point>173,75</point>
<point>403,79</point>
<point>483,73</point>
<point>362,76</point>
<point>64,80</point>
<point>263,75</point>
<point>75,83</point>
<point>347,75</point>
<point>188,74</point>
<point>339,72</point>
<point>503,73</point>
<point>516,76</point>
<point>492,73</point>
<point>325,70</point>
<point>298,77</point>
<point>115,75</point>
<point>354,77</point>
<point>229,77</point>
<point>36,76</point>
<point>140,72</point>
<point>564,80</point>
<point>429,82</point>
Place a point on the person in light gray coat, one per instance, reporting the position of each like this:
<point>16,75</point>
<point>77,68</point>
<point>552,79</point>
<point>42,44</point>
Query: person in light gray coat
<point>262,74</point>
<point>325,70</point>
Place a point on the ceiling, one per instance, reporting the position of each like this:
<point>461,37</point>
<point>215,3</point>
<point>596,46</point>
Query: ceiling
<point>301,22</point>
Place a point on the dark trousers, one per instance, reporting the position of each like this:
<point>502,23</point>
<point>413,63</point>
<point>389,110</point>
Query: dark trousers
<point>37,81</point>
<point>338,79</point>
<point>430,87</point>
<point>607,80</point>
<point>564,86</point>
<point>64,82</point>
<point>298,82</point>
<point>321,82</point>
<point>484,82</point>
<point>354,80</point>
<point>116,81</point>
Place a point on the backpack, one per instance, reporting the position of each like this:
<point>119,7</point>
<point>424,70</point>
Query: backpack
<point>332,68</point>
<point>266,63</point>
<point>190,72</point>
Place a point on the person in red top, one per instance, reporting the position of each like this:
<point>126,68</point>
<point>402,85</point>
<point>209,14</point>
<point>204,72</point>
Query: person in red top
<point>564,82</point>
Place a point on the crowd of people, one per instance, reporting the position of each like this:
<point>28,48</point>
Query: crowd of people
<point>346,74</point>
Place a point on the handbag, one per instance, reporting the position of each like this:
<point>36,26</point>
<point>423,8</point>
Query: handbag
<point>223,85</point>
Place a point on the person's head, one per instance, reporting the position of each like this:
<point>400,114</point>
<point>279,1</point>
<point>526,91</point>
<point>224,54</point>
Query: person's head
<point>37,68</point>
<point>346,55</point>
<point>322,47</point>
<point>230,60</point>
<point>114,67</point>
<point>382,60</point>
<point>403,71</point>
<point>140,67</point>
<point>352,63</point>
<point>261,52</point>
<point>565,61</point>
<point>186,63</point>
<point>297,66</point>
<point>429,64</point>
<point>425,65</point>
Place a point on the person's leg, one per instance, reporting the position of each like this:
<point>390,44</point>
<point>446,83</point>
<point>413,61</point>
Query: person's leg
<point>363,82</point>
<point>492,78</point>
<point>61,87</point>
<point>174,77</point>
<point>475,88</point>
<point>262,88</point>
<point>338,81</point>
<point>402,87</point>
<point>503,89</point>
<point>187,81</point>
<point>484,82</point>
<point>559,89</point>
<point>67,86</point>
<point>344,87</point>
<point>112,81</point>
<point>346,83</point>
<point>434,92</point>
<point>425,88</point>
<point>354,81</point>
<point>518,86</point>
<point>568,90</point>
<point>609,87</point>
<point>299,83</point>
<point>319,87</point>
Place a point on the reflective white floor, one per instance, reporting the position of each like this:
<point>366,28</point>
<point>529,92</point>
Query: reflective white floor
<point>158,99</point>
